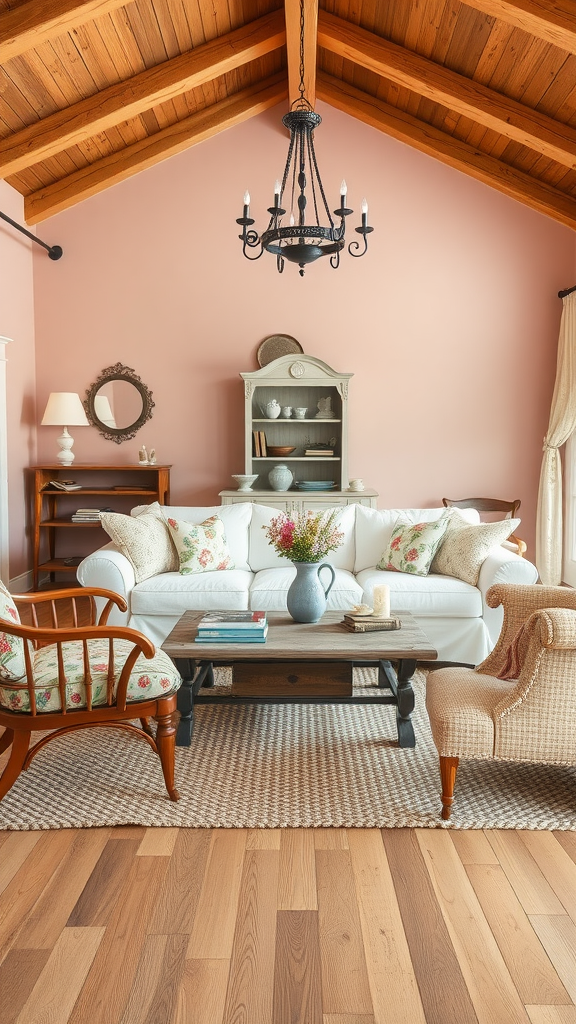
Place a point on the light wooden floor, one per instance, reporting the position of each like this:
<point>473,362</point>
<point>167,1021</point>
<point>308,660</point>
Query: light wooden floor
<point>231,926</point>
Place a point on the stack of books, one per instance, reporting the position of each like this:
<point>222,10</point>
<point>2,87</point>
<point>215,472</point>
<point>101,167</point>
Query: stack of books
<point>260,448</point>
<point>232,628</point>
<point>324,450</point>
<point>368,623</point>
<point>64,485</point>
<point>88,515</point>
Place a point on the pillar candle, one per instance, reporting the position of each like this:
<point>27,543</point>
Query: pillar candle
<point>381,601</point>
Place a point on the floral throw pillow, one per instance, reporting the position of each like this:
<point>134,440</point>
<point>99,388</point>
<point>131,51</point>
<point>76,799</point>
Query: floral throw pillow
<point>413,546</point>
<point>200,548</point>
<point>12,664</point>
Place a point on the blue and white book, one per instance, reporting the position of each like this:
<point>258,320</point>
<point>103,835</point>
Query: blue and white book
<point>232,638</point>
<point>242,634</point>
<point>232,620</point>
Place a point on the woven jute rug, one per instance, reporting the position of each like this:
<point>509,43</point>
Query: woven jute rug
<point>289,765</point>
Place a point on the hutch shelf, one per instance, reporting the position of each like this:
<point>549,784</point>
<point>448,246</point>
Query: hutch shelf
<point>298,382</point>
<point>101,487</point>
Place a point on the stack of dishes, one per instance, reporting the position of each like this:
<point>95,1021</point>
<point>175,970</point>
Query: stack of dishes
<point>315,485</point>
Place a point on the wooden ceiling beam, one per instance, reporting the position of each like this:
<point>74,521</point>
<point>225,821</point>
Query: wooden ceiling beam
<point>149,151</point>
<point>435,143</point>
<point>552,20</point>
<point>292,14</point>
<point>36,21</point>
<point>471,99</point>
<point>127,99</point>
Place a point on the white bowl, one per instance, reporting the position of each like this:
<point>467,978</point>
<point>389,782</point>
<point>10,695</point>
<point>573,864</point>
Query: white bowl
<point>245,480</point>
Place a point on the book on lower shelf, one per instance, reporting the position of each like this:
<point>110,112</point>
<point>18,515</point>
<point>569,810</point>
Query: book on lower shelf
<point>369,623</point>
<point>263,448</point>
<point>64,485</point>
<point>88,515</point>
<point>231,636</point>
<point>256,438</point>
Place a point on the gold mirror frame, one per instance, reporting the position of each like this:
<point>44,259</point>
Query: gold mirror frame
<point>125,373</point>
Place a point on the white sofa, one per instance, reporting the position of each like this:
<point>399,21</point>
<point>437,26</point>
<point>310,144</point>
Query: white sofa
<point>453,614</point>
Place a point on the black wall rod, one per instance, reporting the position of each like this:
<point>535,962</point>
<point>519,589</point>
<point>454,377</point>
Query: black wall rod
<point>54,251</point>
<point>562,295</point>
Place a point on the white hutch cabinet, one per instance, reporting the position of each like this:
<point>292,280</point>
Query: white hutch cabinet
<point>298,382</point>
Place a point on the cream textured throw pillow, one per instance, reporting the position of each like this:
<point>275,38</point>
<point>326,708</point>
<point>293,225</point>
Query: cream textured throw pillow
<point>413,546</point>
<point>201,548</point>
<point>464,547</point>
<point>144,539</point>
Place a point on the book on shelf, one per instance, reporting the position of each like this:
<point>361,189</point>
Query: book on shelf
<point>369,623</point>
<point>256,437</point>
<point>319,452</point>
<point>233,620</point>
<point>263,448</point>
<point>64,485</point>
<point>88,515</point>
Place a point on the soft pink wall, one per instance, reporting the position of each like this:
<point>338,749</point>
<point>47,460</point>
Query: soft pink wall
<point>17,322</point>
<point>449,323</point>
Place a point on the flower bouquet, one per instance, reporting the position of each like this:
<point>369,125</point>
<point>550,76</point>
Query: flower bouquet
<point>304,536</point>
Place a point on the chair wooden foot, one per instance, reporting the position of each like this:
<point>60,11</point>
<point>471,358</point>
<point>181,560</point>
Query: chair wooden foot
<point>166,743</point>
<point>20,744</point>
<point>448,769</point>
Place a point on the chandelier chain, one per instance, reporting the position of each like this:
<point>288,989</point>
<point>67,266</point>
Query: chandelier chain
<point>302,88</point>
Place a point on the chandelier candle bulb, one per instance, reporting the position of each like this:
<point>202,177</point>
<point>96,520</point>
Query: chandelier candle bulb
<point>381,601</point>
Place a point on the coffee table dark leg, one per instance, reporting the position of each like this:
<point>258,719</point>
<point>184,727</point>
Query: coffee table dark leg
<point>400,682</point>
<point>194,675</point>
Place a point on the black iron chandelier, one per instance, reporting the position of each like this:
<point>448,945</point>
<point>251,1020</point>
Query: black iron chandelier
<point>298,241</point>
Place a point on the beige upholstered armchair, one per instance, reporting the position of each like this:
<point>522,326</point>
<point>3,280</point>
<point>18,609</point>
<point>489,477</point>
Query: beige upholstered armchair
<point>520,703</point>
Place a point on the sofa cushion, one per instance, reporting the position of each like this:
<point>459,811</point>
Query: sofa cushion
<point>264,556</point>
<point>270,587</point>
<point>12,664</point>
<point>412,546</point>
<point>144,540</point>
<point>201,547</point>
<point>423,595</point>
<point>374,528</point>
<point>150,677</point>
<point>464,547</point>
<point>173,594</point>
<point>236,519</point>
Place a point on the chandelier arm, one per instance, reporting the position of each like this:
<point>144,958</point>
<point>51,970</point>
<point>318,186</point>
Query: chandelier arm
<point>335,260</point>
<point>310,147</point>
<point>356,245</point>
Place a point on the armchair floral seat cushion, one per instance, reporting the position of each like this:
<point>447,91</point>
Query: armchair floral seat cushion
<point>156,677</point>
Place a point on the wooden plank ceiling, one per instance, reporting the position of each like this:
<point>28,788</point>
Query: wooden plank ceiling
<point>92,92</point>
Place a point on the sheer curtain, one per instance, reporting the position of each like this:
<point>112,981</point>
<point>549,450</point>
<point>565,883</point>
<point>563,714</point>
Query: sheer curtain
<point>562,424</point>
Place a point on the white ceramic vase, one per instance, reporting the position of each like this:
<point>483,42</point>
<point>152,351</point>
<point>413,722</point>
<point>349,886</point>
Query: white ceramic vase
<point>280,478</point>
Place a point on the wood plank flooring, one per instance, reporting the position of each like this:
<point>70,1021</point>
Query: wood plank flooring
<point>287,926</point>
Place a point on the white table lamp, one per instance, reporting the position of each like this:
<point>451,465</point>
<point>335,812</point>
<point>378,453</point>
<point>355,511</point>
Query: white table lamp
<point>64,407</point>
<point>103,411</point>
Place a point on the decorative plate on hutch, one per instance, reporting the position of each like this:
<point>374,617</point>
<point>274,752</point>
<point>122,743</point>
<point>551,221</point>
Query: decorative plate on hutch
<point>277,345</point>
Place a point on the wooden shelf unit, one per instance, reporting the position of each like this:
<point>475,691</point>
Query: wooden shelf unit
<point>53,508</point>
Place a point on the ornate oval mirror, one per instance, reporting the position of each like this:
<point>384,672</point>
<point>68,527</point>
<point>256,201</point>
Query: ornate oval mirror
<point>118,403</point>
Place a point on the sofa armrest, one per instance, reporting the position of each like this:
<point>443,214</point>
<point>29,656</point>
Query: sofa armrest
<point>502,566</point>
<point>109,569</point>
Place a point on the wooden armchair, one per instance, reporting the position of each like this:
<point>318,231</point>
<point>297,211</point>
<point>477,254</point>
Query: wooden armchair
<point>63,678</point>
<point>509,508</point>
<point>520,703</point>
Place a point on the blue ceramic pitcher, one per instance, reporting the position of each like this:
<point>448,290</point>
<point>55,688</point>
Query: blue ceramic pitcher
<point>306,596</point>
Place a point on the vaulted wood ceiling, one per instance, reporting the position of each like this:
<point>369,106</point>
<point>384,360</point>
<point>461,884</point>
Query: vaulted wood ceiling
<point>92,92</point>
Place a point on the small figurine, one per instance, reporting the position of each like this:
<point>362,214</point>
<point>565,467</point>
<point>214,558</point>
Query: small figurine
<point>325,409</point>
<point>152,457</point>
<point>143,456</point>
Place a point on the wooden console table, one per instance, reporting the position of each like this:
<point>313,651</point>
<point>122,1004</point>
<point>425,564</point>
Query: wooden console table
<point>53,508</point>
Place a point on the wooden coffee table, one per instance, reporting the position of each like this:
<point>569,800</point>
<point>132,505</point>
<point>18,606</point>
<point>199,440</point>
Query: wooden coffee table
<point>301,663</point>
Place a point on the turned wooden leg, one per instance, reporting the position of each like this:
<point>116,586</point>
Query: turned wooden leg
<point>145,723</point>
<point>166,743</point>
<point>448,769</point>
<point>20,744</point>
<point>6,739</point>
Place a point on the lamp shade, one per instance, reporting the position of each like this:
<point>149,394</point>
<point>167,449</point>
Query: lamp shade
<point>64,409</point>
<point>103,410</point>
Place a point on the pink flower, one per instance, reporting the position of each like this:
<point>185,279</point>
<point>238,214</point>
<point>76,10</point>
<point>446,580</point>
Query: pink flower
<point>172,523</point>
<point>395,543</point>
<point>165,684</point>
<point>144,682</point>
<point>411,555</point>
<point>75,698</point>
<point>5,645</point>
<point>205,557</point>
<point>12,612</point>
<point>15,701</point>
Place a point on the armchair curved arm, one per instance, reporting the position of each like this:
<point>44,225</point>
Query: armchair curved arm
<point>74,595</point>
<point>519,602</point>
